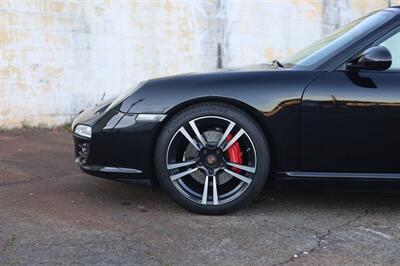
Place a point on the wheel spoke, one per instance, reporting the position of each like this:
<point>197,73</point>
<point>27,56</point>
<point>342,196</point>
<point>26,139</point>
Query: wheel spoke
<point>197,132</point>
<point>242,167</point>
<point>215,192</point>
<point>238,176</point>
<point>234,139</point>
<point>227,131</point>
<point>182,174</point>
<point>205,192</point>
<point>179,165</point>
<point>189,138</point>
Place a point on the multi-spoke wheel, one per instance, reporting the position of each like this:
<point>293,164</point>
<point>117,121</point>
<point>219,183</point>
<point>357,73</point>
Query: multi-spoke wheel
<point>212,158</point>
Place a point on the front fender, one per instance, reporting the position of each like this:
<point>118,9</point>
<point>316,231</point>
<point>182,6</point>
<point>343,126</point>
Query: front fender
<point>275,95</point>
<point>264,90</point>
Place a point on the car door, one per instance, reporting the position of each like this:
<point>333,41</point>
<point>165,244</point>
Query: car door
<point>350,120</point>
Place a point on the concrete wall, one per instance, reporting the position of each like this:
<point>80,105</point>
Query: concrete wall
<point>60,56</point>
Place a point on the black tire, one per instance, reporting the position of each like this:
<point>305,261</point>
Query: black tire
<point>242,120</point>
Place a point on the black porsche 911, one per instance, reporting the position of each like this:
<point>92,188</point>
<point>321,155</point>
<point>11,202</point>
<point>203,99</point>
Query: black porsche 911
<point>329,113</point>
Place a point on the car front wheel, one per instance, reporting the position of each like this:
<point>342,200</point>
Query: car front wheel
<point>212,158</point>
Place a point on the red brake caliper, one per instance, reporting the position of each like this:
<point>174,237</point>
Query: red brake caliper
<point>234,153</point>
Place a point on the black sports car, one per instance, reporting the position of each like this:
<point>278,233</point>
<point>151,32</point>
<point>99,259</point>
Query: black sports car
<point>329,113</point>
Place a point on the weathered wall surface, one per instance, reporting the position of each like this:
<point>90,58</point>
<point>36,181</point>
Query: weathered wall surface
<point>60,56</point>
<point>262,30</point>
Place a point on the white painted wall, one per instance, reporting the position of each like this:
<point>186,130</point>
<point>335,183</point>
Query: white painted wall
<point>60,56</point>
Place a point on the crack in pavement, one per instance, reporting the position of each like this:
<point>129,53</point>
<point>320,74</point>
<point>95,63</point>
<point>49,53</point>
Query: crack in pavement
<point>323,237</point>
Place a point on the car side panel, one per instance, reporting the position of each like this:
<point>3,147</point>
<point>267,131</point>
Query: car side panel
<point>350,123</point>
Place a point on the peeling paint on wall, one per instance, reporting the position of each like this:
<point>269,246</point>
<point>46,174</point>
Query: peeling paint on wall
<point>60,56</point>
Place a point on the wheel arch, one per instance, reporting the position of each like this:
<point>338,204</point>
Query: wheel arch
<point>254,113</point>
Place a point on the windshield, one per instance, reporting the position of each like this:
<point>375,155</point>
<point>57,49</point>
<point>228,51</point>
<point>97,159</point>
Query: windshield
<point>326,47</point>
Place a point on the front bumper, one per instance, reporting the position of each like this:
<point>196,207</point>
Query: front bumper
<point>82,155</point>
<point>120,148</point>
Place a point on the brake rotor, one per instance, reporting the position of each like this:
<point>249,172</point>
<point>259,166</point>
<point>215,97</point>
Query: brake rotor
<point>211,137</point>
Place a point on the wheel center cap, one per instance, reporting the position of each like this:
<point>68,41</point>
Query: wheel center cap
<point>211,159</point>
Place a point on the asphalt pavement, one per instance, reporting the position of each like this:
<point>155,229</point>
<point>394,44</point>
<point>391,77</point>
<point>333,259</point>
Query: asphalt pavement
<point>52,213</point>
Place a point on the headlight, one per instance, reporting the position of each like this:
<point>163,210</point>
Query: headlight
<point>83,130</point>
<point>125,95</point>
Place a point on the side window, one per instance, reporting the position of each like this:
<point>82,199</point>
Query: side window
<point>393,44</point>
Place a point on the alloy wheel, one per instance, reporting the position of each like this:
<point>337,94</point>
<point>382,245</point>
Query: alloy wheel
<point>211,160</point>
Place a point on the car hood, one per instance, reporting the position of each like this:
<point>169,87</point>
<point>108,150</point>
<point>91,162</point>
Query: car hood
<point>247,68</point>
<point>253,67</point>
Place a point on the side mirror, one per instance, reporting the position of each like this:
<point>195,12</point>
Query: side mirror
<point>374,58</point>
